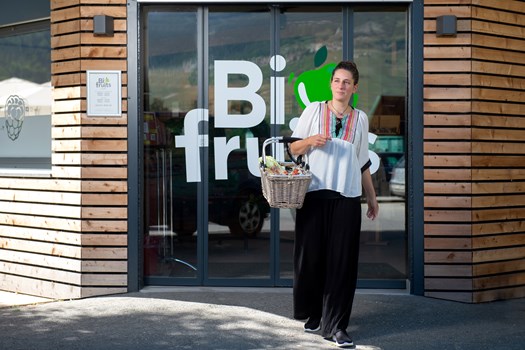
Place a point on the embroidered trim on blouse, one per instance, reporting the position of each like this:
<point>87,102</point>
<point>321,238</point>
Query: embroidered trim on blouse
<point>328,124</point>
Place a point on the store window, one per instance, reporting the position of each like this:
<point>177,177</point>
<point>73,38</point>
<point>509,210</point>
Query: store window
<point>25,93</point>
<point>205,220</point>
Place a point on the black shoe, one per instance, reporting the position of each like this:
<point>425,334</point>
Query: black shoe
<point>312,325</point>
<point>343,340</point>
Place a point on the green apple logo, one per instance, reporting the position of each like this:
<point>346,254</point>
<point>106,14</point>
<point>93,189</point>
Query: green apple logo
<point>314,85</point>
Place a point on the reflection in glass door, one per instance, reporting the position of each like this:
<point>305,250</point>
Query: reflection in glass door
<point>305,33</point>
<point>238,240</point>
<point>377,42</point>
<point>170,96</point>
<point>380,51</point>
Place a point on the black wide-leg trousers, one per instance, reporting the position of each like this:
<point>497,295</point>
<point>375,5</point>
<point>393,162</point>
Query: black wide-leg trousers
<point>326,254</point>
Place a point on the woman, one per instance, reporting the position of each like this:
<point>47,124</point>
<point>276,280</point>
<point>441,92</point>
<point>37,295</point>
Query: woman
<point>335,138</point>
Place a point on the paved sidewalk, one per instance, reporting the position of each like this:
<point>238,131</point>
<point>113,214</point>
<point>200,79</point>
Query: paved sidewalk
<point>256,318</point>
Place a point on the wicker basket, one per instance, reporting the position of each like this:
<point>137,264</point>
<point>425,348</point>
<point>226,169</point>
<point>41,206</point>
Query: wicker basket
<point>284,191</point>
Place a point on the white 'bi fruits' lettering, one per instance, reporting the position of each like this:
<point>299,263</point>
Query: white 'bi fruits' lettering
<point>193,139</point>
<point>223,94</point>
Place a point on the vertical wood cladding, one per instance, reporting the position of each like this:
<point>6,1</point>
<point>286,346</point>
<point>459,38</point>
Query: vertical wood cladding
<point>65,235</point>
<point>474,156</point>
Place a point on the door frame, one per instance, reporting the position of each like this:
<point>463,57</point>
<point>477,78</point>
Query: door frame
<point>414,151</point>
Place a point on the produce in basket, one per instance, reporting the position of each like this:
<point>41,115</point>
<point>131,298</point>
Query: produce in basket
<point>273,167</point>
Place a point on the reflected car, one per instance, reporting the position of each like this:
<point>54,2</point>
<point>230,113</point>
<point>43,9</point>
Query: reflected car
<point>389,161</point>
<point>237,202</point>
<point>397,180</point>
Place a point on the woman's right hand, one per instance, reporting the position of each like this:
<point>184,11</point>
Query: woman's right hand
<point>318,140</point>
<point>301,147</point>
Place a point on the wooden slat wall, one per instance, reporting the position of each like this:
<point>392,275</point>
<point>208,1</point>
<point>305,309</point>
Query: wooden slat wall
<point>65,236</point>
<point>474,151</point>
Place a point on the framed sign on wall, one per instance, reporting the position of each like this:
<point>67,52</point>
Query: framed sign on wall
<point>104,93</point>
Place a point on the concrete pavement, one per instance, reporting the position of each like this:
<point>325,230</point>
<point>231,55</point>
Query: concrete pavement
<point>256,318</point>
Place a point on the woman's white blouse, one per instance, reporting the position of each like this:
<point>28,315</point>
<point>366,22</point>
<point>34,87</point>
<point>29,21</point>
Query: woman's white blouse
<point>337,165</point>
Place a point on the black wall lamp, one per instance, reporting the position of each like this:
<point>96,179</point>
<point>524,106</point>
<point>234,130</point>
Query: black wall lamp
<point>103,25</point>
<point>447,25</point>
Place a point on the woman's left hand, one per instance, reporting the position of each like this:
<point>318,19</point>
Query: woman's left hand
<point>373,208</point>
<point>371,199</point>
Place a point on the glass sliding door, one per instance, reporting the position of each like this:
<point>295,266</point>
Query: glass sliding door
<point>170,187</point>
<point>311,41</point>
<point>380,51</point>
<point>238,240</point>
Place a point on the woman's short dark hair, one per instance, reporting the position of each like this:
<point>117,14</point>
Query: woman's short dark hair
<point>349,66</point>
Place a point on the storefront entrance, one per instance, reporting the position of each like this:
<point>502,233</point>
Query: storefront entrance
<point>217,81</point>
